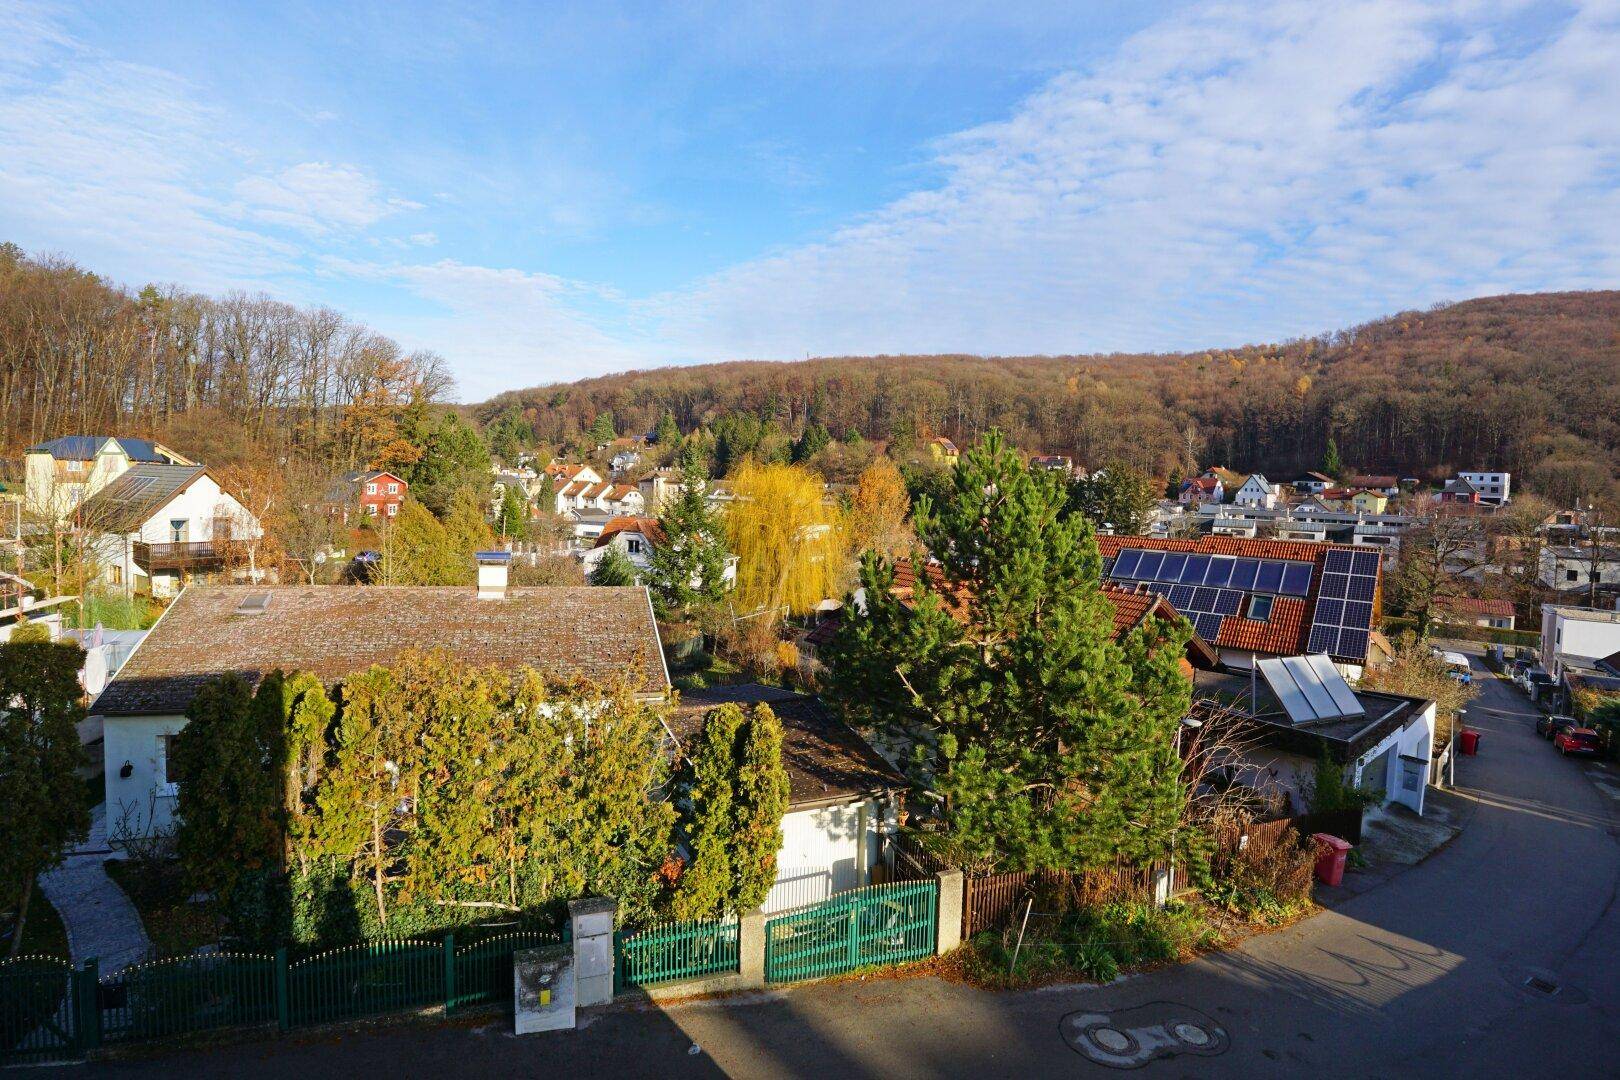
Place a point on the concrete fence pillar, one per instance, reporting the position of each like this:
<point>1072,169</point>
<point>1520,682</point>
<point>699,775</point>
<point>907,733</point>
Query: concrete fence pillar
<point>591,921</point>
<point>948,920</point>
<point>751,949</point>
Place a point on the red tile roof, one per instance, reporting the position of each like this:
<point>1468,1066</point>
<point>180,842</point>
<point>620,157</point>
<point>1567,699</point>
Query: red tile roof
<point>1473,605</point>
<point>646,526</point>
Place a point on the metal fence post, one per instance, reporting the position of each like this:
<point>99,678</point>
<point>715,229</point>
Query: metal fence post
<point>449,972</point>
<point>90,1005</point>
<point>283,1014</point>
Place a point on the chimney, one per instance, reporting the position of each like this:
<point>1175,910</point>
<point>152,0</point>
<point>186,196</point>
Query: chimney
<point>492,566</point>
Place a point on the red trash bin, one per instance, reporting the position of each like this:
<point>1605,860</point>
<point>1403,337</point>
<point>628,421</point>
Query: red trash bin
<point>1330,855</point>
<point>1469,738</point>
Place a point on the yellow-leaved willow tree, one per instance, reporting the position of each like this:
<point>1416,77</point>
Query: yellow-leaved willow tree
<point>788,536</point>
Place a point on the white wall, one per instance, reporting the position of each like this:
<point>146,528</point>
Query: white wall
<point>1416,740</point>
<point>825,851</point>
<point>134,739</point>
<point>1572,636</point>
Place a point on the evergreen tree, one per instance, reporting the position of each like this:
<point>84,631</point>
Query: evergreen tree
<point>1119,496</point>
<point>510,434</point>
<point>417,550</point>
<point>451,457</point>
<point>1331,465</point>
<point>735,795</point>
<point>687,569</point>
<point>231,797</point>
<point>667,433</point>
<point>615,568</point>
<point>1048,744</point>
<point>42,808</point>
<point>512,519</point>
<point>811,442</point>
<point>603,430</point>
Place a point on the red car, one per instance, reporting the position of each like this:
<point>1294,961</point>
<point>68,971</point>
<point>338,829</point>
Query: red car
<point>1576,740</point>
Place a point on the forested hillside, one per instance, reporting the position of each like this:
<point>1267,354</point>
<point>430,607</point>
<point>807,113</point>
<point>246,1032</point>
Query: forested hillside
<point>1527,382</point>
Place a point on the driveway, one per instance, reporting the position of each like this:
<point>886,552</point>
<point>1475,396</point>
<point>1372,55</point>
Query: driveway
<point>1426,975</point>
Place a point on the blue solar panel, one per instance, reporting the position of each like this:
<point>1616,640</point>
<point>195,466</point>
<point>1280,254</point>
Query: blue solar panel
<point>1330,612</point>
<point>1366,563</point>
<point>1335,585</point>
<point>1352,644</point>
<point>1208,626</point>
<point>1158,588</point>
<point>1324,639</point>
<point>1174,563</point>
<point>1181,597</point>
<point>1227,602</point>
<point>1269,577</point>
<point>1197,567</point>
<point>1296,579</point>
<point>1203,600</point>
<point>1220,572</point>
<point>1125,565</point>
<point>1362,588</point>
<point>1243,573</point>
<point>1148,568</point>
<point>1357,616</point>
<point>1338,562</point>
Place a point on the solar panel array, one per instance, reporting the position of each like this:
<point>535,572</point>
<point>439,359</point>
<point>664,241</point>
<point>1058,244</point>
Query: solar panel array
<point>1344,605</point>
<point>1208,588</point>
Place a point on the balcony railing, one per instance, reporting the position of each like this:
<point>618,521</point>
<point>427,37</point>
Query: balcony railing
<point>151,557</point>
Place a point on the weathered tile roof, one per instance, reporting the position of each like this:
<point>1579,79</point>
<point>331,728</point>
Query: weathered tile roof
<point>646,526</point>
<point>131,500</point>
<point>826,760</point>
<point>599,633</point>
<point>1474,605</point>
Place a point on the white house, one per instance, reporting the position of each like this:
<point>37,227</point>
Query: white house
<point>1493,487</point>
<point>61,473</point>
<point>332,631</point>
<point>163,524</point>
<point>1571,568</point>
<point>843,796</point>
<point>635,537</point>
<point>1313,483</point>
<point>1256,493</point>
<point>1576,632</point>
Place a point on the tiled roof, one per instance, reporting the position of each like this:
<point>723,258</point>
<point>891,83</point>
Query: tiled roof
<point>1474,605</point>
<point>620,492</point>
<point>1374,481</point>
<point>1287,631</point>
<point>827,761</point>
<point>1201,483</point>
<point>141,491</point>
<point>601,633</point>
<point>646,526</point>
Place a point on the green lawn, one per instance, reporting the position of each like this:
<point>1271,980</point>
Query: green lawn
<point>175,926</point>
<point>44,934</point>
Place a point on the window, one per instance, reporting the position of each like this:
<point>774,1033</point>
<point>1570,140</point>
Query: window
<point>393,508</point>
<point>371,489</point>
<point>633,545</point>
<point>166,775</point>
<point>177,530</point>
<point>1572,575</point>
<point>371,508</point>
<point>393,489</point>
<point>1260,607</point>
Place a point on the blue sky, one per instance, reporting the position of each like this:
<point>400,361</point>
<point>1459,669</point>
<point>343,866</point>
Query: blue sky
<point>545,192</point>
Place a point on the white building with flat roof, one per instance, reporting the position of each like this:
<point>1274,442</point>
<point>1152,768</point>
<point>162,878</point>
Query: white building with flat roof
<point>1576,632</point>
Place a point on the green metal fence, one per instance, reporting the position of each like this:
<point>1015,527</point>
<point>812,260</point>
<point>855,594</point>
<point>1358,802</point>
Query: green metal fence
<point>482,970</point>
<point>364,980</point>
<point>40,1004</point>
<point>187,994</point>
<point>667,952</point>
<point>880,924</point>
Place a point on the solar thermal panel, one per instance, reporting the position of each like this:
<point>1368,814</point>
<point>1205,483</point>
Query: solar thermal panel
<point>1125,564</point>
<point>1269,577</point>
<point>1243,573</point>
<point>1148,567</point>
<point>1220,572</point>
<point>1296,579</point>
<point>1197,567</point>
<point>1174,563</point>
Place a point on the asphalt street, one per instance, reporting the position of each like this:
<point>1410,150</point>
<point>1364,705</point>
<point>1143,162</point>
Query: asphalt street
<point>1498,956</point>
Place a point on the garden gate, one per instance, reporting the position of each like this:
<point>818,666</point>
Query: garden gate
<point>879,924</point>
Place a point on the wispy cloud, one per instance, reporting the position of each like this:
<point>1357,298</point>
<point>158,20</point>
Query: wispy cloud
<point>1241,172</point>
<point>317,197</point>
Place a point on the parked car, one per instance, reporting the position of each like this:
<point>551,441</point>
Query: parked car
<point>1549,726</point>
<point>1457,667</point>
<point>1519,670</point>
<point>1576,740</point>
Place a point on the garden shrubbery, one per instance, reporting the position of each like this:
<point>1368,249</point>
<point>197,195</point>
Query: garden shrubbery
<point>1093,943</point>
<point>1266,880</point>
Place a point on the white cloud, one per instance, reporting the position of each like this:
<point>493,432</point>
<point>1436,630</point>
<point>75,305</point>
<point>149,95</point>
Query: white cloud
<point>316,197</point>
<point>1237,173</point>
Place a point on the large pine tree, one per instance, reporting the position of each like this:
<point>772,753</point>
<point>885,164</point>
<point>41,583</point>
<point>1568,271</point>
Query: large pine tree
<point>687,568</point>
<point>1047,743</point>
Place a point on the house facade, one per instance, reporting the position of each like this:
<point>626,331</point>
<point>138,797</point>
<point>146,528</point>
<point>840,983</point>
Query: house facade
<point>1573,568</point>
<point>1474,611</point>
<point>1201,489</point>
<point>1312,483</point>
<point>1256,492</point>
<point>1576,633</point>
<point>376,492</point>
<point>1389,486</point>
<point>635,537</point>
<point>332,631</point>
<point>1493,487</point>
<point>159,526</point>
<point>61,473</point>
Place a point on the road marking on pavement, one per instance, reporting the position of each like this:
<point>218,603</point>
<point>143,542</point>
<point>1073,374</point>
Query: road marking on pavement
<point>1131,1038</point>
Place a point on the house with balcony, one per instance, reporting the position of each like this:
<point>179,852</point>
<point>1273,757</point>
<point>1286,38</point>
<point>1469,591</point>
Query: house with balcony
<point>158,527</point>
<point>59,474</point>
<point>1495,488</point>
<point>1256,492</point>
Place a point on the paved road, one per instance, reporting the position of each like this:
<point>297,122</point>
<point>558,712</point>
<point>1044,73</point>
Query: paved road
<point>1423,976</point>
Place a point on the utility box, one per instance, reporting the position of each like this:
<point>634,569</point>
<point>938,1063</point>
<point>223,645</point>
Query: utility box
<point>543,989</point>
<point>592,921</point>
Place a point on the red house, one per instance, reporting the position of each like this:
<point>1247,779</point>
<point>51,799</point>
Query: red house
<point>376,492</point>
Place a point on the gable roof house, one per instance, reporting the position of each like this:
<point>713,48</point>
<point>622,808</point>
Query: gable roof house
<point>842,800</point>
<point>371,492</point>
<point>635,537</point>
<point>332,631</point>
<point>1201,489</point>
<point>164,524</point>
<point>1312,483</point>
<point>1458,490</point>
<point>1256,492</point>
<point>59,474</point>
